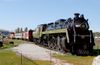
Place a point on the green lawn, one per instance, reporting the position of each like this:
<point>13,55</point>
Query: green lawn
<point>75,60</point>
<point>96,49</point>
<point>16,42</point>
<point>97,44</point>
<point>8,57</point>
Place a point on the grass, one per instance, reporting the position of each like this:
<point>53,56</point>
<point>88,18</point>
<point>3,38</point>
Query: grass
<point>17,42</point>
<point>75,60</point>
<point>8,57</point>
<point>96,48</point>
<point>7,44</point>
<point>97,44</point>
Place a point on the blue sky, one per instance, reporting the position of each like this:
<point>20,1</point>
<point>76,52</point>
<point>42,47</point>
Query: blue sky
<point>30,13</point>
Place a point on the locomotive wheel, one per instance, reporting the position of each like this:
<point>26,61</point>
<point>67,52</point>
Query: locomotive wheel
<point>64,44</point>
<point>44,40</point>
<point>91,50</point>
<point>49,44</point>
<point>55,43</point>
<point>72,50</point>
<point>52,43</point>
<point>59,46</point>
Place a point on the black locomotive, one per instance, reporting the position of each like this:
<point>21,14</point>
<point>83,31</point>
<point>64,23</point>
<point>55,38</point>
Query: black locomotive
<point>66,35</point>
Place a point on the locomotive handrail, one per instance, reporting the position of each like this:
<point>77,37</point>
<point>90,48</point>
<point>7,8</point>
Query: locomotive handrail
<point>82,35</point>
<point>90,37</point>
<point>73,22</point>
<point>67,36</point>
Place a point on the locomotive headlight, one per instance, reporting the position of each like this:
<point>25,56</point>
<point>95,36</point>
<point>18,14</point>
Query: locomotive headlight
<point>77,25</point>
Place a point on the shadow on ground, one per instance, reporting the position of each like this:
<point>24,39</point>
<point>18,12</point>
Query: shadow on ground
<point>96,52</point>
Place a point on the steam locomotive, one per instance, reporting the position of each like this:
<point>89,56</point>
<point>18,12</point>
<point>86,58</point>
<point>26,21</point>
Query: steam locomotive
<point>66,35</point>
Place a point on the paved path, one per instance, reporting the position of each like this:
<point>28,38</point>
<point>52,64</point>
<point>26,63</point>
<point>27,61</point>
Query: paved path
<point>96,60</point>
<point>35,52</point>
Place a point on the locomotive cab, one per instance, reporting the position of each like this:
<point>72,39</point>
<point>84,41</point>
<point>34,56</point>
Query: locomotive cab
<point>59,24</point>
<point>50,26</point>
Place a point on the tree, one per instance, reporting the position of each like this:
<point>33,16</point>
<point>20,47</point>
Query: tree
<point>97,34</point>
<point>26,29</point>
<point>21,30</point>
<point>17,30</point>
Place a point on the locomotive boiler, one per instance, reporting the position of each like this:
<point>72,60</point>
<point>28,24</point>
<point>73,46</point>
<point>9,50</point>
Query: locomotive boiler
<point>66,35</point>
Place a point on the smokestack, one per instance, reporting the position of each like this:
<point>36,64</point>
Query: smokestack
<point>76,15</point>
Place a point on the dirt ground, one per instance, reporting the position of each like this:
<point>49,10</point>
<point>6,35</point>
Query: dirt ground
<point>35,52</point>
